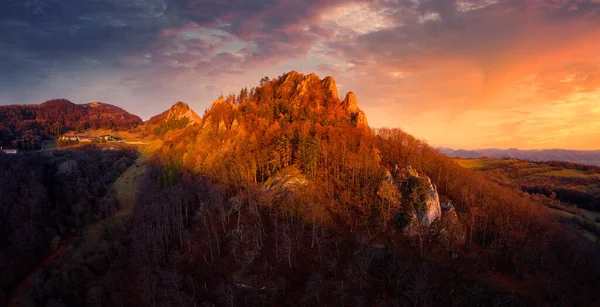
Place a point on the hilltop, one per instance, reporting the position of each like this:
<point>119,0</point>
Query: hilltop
<point>179,116</point>
<point>26,126</point>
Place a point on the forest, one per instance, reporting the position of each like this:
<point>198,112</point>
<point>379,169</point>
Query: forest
<point>46,198</point>
<point>283,195</point>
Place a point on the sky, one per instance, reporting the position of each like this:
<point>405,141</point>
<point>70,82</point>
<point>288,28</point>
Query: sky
<point>461,74</point>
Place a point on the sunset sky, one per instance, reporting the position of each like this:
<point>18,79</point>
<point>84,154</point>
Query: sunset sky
<point>462,74</point>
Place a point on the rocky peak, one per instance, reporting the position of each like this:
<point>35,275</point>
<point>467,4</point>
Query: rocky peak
<point>176,112</point>
<point>361,119</point>
<point>295,85</point>
<point>304,83</point>
<point>330,87</point>
<point>350,103</point>
<point>181,110</point>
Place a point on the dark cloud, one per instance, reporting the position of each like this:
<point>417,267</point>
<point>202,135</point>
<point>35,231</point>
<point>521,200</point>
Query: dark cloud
<point>39,38</point>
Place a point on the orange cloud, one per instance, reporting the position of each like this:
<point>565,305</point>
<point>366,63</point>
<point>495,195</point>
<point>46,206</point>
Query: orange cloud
<point>505,74</point>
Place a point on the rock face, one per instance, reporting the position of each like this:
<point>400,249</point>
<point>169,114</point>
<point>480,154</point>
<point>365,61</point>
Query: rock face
<point>431,206</point>
<point>286,180</point>
<point>420,201</point>
<point>350,103</point>
<point>330,87</point>
<point>361,120</point>
<point>452,230</point>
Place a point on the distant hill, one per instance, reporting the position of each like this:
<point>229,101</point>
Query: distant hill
<point>591,157</point>
<point>25,126</point>
<point>178,116</point>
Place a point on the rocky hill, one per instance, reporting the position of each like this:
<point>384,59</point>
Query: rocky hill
<point>25,126</point>
<point>179,116</point>
<point>297,179</point>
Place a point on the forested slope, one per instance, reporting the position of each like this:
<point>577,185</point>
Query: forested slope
<point>283,195</point>
<point>45,197</point>
<point>330,236</point>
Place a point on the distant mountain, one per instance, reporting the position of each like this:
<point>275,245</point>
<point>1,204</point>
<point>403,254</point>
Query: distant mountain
<point>591,157</point>
<point>179,116</point>
<point>25,126</point>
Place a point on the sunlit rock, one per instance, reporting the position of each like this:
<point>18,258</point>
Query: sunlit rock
<point>330,87</point>
<point>350,103</point>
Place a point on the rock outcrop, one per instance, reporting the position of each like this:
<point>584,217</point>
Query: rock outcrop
<point>286,180</point>
<point>350,103</point>
<point>330,87</point>
<point>452,230</point>
<point>361,120</point>
<point>420,201</point>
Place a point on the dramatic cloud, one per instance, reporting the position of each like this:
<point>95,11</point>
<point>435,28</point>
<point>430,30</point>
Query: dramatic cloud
<point>465,73</point>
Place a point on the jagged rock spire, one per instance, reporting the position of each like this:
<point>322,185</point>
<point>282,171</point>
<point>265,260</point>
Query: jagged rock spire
<point>330,87</point>
<point>350,103</point>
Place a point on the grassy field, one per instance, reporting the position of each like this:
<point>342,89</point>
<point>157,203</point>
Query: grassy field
<point>126,186</point>
<point>475,164</point>
<point>481,164</point>
<point>146,147</point>
<point>569,173</point>
<point>568,216</point>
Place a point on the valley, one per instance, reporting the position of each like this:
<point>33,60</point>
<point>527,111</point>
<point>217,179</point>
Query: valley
<point>570,190</point>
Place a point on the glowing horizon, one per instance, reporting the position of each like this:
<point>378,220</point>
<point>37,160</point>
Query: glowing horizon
<point>460,74</point>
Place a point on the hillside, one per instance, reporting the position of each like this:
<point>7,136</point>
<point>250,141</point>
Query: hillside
<point>283,195</point>
<point>590,157</point>
<point>26,126</point>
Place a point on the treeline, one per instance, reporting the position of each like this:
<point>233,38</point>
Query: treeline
<point>592,169</point>
<point>566,195</point>
<point>45,197</point>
